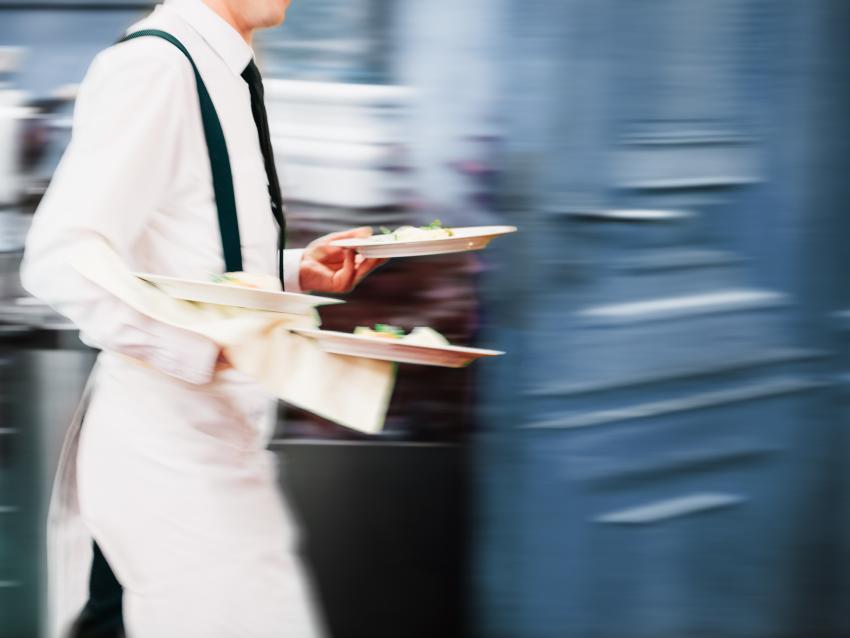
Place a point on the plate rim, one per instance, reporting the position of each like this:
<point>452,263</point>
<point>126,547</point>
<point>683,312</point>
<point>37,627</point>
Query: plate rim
<point>284,294</point>
<point>355,242</point>
<point>314,332</point>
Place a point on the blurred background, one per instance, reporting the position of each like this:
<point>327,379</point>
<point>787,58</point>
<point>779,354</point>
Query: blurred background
<point>661,454</point>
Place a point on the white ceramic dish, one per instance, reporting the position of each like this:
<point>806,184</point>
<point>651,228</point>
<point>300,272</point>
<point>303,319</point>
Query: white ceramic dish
<point>394,349</point>
<point>462,239</point>
<point>239,296</point>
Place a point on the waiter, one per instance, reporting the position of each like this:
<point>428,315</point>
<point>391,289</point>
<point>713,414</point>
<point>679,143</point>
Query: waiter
<point>170,162</point>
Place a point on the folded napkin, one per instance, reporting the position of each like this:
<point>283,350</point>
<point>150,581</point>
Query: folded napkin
<point>351,391</point>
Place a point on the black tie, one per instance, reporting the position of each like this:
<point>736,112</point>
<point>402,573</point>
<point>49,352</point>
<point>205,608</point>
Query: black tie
<point>252,76</point>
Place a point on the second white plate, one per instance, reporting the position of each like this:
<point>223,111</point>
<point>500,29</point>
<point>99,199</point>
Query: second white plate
<point>394,349</point>
<point>239,296</point>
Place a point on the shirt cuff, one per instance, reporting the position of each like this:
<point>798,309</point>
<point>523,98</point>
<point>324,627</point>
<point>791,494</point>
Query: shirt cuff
<point>292,269</point>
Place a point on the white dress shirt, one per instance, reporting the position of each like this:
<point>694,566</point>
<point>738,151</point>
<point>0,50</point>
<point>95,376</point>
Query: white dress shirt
<point>137,173</point>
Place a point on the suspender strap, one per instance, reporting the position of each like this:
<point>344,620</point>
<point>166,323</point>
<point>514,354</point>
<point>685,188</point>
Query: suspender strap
<point>222,176</point>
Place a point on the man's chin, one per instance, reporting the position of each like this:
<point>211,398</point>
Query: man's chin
<point>276,19</point>
<point>268,19</point>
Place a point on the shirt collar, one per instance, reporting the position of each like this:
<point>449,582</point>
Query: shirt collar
<point>223,38</point>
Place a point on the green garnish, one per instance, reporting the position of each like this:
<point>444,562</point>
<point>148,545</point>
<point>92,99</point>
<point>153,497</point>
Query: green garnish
<point>218,279</point>
<point>437,225</point>
<point>394,234</point>
<point>395,330</point>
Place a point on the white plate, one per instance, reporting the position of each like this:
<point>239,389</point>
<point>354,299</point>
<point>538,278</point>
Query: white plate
<point>232,295</point>
<point>462,239</point>
<point>395,350</point>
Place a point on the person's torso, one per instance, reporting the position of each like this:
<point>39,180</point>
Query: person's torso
<point>182,238</point>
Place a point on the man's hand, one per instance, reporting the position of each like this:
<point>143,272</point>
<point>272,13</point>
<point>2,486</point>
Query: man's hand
<point>326,268</point>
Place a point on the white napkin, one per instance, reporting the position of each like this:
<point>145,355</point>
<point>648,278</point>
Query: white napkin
<point>351,391</point>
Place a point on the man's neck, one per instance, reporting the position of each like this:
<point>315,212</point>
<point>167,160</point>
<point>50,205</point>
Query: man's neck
<point>222,9</point>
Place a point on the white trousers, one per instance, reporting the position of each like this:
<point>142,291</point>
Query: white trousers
<point>174,483</point>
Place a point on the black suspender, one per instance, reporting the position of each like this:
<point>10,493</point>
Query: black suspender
<point>222,176</point>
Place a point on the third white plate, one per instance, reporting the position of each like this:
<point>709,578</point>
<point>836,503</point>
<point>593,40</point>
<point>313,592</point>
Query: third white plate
<point>395,349</point>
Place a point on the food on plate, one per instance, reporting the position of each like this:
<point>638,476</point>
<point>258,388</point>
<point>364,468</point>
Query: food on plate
<point>420,336</point>
<point>259,281</point>
<point>434,230</point>
<point>381,330</point>
<point>424,336</point>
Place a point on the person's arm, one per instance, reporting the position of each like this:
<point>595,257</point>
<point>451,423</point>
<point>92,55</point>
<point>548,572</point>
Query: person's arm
<point>124,147</point>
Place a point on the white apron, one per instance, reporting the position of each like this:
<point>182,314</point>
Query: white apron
<point>174,483</point>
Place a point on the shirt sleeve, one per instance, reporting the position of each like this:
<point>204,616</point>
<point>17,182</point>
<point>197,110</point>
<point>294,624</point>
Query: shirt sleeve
<point>292,269</point>
<point>114,173</point>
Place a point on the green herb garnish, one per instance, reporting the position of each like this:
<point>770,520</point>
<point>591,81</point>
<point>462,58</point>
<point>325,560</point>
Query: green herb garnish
<point>437,225</point>
<point>395,330</point>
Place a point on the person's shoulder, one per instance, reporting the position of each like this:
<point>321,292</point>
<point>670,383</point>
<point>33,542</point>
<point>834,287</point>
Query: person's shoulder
<point>148,58</point>
<point>143,71</point>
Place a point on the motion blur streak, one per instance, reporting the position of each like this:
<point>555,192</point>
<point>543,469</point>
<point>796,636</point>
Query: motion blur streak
<point>661,453</point>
